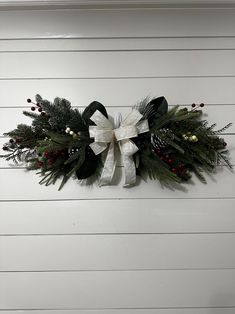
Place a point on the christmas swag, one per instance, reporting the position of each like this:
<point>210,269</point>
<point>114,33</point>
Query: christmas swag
<point>167,145</point>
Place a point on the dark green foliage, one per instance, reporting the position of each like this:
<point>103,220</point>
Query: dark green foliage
<point>90,110</point>
<point>26,135</point>
<point>204,154</point>
<point>154,109</point>
<point>24,138</point>
<point>156,168</point>
<point>76,122</point>
<point>45,145</point>
<point>57,143</point>
<point>39,122</point>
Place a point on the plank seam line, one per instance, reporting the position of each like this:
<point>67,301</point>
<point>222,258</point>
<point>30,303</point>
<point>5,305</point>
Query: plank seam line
<point>116,77</point>
<point>116,270</point>
<point>116,198</point>
<point>117,234</point>
<point>118,308</point>
<point>114,37</point>
<point>115,50</point>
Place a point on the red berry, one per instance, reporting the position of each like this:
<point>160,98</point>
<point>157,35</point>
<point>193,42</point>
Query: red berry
<point>225,144</point>
<point>5,148</point>
<point>60,152</point>
<point>174,170</point>
<point>33,108</point>
<point>37,104</point>
<point>11,140</point>
<point>50,161</point>
<point>46,154</point>
<point>40,163</point>
<point>170,161</point>
<point>43,113</point>
<point>201,105</point>
<point>181,167</point>
<point>193,105</point>
<point>39,109</point>
<point>29,100</point>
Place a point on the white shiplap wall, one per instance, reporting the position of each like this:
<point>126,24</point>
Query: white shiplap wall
<point>144,250</point>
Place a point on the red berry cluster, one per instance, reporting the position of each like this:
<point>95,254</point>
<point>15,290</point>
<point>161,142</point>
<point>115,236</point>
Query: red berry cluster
<point>11,144</point>
<point>178,169</point>
<point>164,157</point>
<point>38,107</point>
<point>49,158</point>
<point>195,107</point>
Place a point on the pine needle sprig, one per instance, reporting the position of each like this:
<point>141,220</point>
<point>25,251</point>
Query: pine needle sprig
<point>156,168</point>
<point>198,172</point>
<point>164,119</point>
<point>220,131</point>
<point>19,155</point>
<point>221,156</point>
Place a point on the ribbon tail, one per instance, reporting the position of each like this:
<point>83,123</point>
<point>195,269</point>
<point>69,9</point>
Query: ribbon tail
<point>130,170</point>
<point>109,166</point>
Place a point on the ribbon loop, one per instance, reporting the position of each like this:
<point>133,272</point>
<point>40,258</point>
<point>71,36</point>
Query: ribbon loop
<point>105,137</point>
<point>100,120</point>
<point>125,132</point>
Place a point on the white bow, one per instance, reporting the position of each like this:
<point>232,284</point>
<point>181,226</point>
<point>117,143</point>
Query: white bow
<point>105,136</point>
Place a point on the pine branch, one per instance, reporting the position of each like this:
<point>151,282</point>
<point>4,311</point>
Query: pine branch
<point>222,157</point>
<point>198,173</point>
<point>223,129</point>
<point>164,119</point>
<point>156,168</point>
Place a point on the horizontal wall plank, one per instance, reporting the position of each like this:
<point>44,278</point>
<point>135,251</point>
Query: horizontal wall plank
<point>121,252</point>
<point>220,185</point>
<point>117,64</point>
<point>135,289</point>
<point>221,115</point>
<point>117,23</point>
<point>113,4</point>
<point>81,92</point>
<point>123,216</point>
<point>84,44</point>
<point>128,311</point>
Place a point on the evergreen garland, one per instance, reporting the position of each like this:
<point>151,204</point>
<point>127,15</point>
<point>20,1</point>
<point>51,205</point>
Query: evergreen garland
<point>57,143</point>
